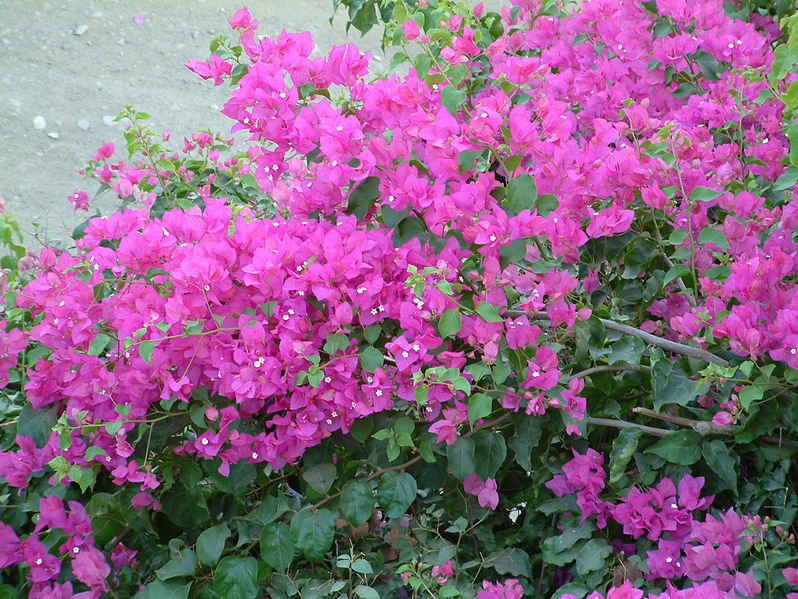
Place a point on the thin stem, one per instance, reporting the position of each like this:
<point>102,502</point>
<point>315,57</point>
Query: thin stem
<point>608,368</point>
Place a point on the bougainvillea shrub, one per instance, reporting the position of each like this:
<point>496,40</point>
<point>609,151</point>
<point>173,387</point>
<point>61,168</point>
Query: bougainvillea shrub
<point>522,323</point>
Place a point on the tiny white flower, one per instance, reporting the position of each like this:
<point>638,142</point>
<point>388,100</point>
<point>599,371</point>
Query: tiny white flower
<point>327,379</point>
<point>381,308</point>
<point>165,232</point>
<point>204,441</point>
<point>61,303</point>
<point>535,375</point>
<point>374,311</point>
<point>285,317</point>
<point>39,562</point>
<point>254,455</point>
<point>378,393</point>
<point>492,238</point>
<point>329,421</point>
<point>792,351</point>
<point>405,354</point>
<point>339,128</point>
<point>668,559</point>
<point>290,310</point>
<point>416,347</point>
<point>207,288</point>
<point>334,414</point>
<point>282,94</point>
<point>76,550</point>
<point>55,321</point>
<point>674,506</point>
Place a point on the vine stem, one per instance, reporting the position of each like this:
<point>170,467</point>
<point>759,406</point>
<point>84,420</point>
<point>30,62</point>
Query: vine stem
<point>655,340</point>
<point>608,368</point>
<point>411,461</point>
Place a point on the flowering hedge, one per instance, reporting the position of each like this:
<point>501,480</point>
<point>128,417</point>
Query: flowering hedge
<point>523,322</point>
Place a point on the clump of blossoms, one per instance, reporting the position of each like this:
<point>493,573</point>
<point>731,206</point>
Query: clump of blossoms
<point>551,210</point>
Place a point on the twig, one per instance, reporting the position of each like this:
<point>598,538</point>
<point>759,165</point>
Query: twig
<point>702,427</point>
<point>666,344</point>
<point>657,432</point>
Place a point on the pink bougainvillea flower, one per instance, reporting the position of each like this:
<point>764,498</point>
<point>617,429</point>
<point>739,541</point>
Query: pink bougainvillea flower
<point>139,19</point>
<point>104,151</point>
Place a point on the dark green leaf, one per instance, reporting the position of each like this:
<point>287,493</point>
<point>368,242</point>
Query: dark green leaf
<point>461,457</point>
<point>670,384</point>
<point>679,447</point>
<point>320,477</point>
<point>526,438</point>
<point>362,197</point>
<point>395,492</point>
<point>722,462</point>
<point>592,556</point>
<point>170,589</point>
<point>313,532</point>
<point>276,547</point>
<point>357,502</point>
<point>623,448</point>
<point>366,592</point>
<point>511,561</point>
<point>236,578</point>
<point>712,235</point>
<point>37,423</point>
<point>627,350</point>
<point>492,450</point>
<point>210,544</point>
<point>555,549</point>
<point>522,192</point>
<point>98,344</point>
<point>184,565</point>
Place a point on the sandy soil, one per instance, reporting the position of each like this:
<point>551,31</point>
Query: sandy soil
<point>74,63</point>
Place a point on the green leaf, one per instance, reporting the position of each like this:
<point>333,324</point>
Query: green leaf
<point>362,197</point>
<point>749,394</point>
<point>236,578</point>
<point>184,565</point>
<point>146,347</point>
<point>313,532</point>
<point>37,423</point>
<point>627,350</point>
<point>210,544</point>
<point>371,358</point>
<point>492,451</point>
<point>395,492</point>
<point>366,592</point>
<point>716,236</point>
<point>526,438</point>
<point>98,344</point>
<point>276,547</point>
<point>555,550</point>
<point>466,159</point>
<point>480,405</point>
<point>546,203</point>
<point>679,447</point>
<point>461,457</point>
<point>670,384</point>
<point>357,502</point>
<point>522,192</point>
<point>452,99</point>
<point>675,271</point>
<point>361,566</point>
<point>450,323</point>
<point>722,462</point>
<point>320,477</point>
<point>703,194</point>
<point>623,448</point>
<point>171,589</point>
<point>513,561</point>
<point>489,312</point>
<point>592,556</point>
<point>409,228</point>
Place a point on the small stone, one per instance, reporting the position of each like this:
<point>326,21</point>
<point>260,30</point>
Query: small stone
<point>108,120</point>
<point>80,29</point>
<point>84,125</point>
<point>97,14</point>
<point>195,35</point>
<point>15,102</point>
<point>53,135</point>
<point>39,122</point>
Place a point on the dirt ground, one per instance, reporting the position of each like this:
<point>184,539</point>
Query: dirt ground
<point>67,67</point>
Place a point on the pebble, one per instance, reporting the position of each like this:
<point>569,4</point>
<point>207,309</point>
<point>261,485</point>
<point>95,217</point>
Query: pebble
<point>15,102</point>
<point>84,125</point>
<point>97,14</point>
<point>80,29</point>
<point>39,122</point>
<point>53,135</point>
<point>108,120</point>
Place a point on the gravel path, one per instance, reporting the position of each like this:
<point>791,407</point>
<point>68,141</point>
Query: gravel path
<point>67,67</point>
